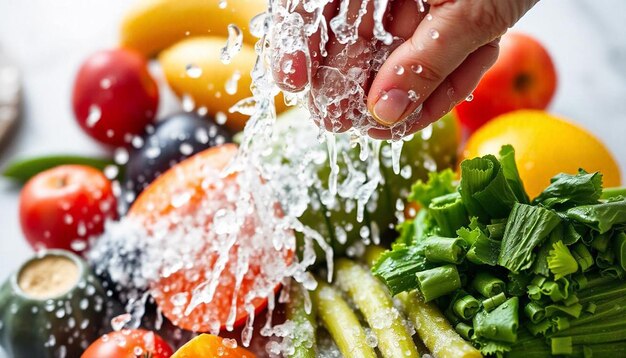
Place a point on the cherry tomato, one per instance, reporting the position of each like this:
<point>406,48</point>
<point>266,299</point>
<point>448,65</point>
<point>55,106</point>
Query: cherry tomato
<point>64,206</point>
<point>129,343</point>
<point>114,96</point>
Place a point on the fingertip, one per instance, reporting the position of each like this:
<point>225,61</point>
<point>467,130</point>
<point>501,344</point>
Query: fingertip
<point>291,72</point>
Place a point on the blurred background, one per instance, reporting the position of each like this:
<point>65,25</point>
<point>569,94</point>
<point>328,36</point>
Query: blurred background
<point>48,40</point>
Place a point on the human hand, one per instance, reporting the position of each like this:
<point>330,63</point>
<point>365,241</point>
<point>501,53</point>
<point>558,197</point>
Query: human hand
<point>387,75</point>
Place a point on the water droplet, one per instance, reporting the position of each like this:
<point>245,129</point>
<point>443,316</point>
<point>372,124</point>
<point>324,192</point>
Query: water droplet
<point>118,322</point>
<point>111,171</point>
<point>222,4</point>
<point>434,34</point>
<point>193,71</point>
<point>220,118</point>
<point>233,44</point>
<point>94,116</point>
<point>188,103</point>
<point>398,69</point>
<point>105,83</point>
<point>231,84</point>
<point>229,343</point>
<point>470,97</point>
<point>413,96</point>
<point>186,149</point>
<point>450,92</point>
<point>429,17</point>
<point>417,69</point>
<point>121,156</point>
<point>153,152</point>
<point>78,245</point>
<point>427,132</point>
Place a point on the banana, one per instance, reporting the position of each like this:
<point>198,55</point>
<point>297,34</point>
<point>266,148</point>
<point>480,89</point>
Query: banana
<point>153,25</point>
<point>193,68</point>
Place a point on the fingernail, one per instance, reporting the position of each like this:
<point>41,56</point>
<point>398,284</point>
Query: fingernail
<point>391,106</point>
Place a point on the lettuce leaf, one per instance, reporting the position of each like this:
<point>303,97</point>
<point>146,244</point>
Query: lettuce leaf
<point>567,190</point>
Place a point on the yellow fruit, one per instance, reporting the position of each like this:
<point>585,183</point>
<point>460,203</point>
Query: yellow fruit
<point>153,25</point>
<point>545,145</point>
<point>193,68</point>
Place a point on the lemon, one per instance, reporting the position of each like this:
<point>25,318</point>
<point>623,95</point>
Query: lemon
<point>545,145</point>
<point>193,69</point>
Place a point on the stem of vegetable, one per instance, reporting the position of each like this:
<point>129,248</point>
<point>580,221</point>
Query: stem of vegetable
<point>438,281</point>
<point>434,329</point>
<point>341,322</point>
<point>488,285</point>
<point>304,335</point>
<point>444,249</point>
<point>375,304</point>
<point>608,193</point>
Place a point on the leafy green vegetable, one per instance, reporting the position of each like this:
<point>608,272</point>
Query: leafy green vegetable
<point>492,302</point>
<point>509,168</point>
<point>619,247</point>
<point>483,250</point>
<point>500,324</point>
<point>397,268</point>
<point>487,284</point>
<point>438,184</point>
<point>485,190</point>
<point>568,190</point>
<point>527,227</point>
<point>600,217</point>
<point>465,306</point>
<point>560,260</point>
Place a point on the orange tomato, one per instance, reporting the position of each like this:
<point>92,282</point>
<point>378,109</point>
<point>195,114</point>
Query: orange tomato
<point>208,345</point>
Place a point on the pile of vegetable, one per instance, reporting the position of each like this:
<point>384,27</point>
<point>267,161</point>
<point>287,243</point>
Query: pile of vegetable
<point>516,276</point>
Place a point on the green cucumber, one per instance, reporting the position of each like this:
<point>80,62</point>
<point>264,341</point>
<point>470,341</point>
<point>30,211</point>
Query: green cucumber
<point>22,170</point>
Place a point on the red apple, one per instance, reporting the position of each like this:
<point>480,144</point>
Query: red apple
<point>523,77</point>
<point>63,207</point>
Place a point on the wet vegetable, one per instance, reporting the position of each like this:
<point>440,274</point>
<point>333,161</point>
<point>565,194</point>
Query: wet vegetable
<point>208,345</point>
<point>172,140</point>
<point>128,343</point>
<point>23,170</point>
<point>52,306</point>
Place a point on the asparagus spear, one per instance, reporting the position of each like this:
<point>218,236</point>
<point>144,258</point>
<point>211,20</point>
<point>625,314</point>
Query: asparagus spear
<point>304,336</point>
<point>342,324</point>
<point>376,305</point>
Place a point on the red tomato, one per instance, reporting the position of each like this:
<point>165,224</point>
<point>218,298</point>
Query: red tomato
<point>114,96</point>
<point>64,206</point>
<point>129,343</point>
<point>200,177</point>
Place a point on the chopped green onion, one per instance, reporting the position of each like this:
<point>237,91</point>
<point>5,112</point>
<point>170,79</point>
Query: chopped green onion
<point>561,345</point>
<point>466,307</point>
<point>601,242</point>
<point>496,231</point>
<point>527,227</point>
<point>535,312</point>
<point>517,284</point>
<point>560,261</point>
<point>449,213</point>
<point>539,328</point>
<point>600,217</point>
<point>605,259</point>
<point>582,255</point>
<point>438,281</point>
<point>492,303</point>
<point>397,268</point>
<point>487,285</point>
<point>444,249</point>
<point>591,308</point>
<point>619,248</point>
<point>557,290</point>
<point>464,330</point>
<point>568,190</point>
<point>573,310</point>
<point>509,168</point>
<point>500,324</point>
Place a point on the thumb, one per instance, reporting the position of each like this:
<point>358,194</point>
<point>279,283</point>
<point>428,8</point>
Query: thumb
<point>444,59</point>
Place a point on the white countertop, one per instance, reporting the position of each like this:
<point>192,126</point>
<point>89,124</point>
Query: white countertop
<point>49,40</point>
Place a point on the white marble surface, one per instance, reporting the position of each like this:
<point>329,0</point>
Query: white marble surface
<point>49,39</point>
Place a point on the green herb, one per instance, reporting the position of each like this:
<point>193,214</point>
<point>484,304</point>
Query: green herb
<point>560,261</point>
<point>509,168</point>
<point>449,213</point>
<point>438,184</point>
<point>600,217</point>
<point>527,227</point>
<point>487,285</point>
<point>500,324</point>
<point>466,306</point>
<point>483,250</point>
<point>571,190</point>
<point>492,302</point>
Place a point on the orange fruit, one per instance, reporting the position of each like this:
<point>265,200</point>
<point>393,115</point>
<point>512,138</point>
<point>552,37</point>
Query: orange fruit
<point>208,345</point>
<point>545,145</point>
<point>189,213</point>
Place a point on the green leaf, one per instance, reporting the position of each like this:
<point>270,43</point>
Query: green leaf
<point>500,324</point>
<point>527,228</point>
<point>560,260</point>
<point>439,183</point>
<point>23,170</point>
<point>397,267</point>
<point>485,190</point>
<point>483,250</point>
<point>507,159</point>
<point>568,190</point>
<point>600,217</point>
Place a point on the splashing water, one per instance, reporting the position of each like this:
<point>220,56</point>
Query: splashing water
<point>255,213</point>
